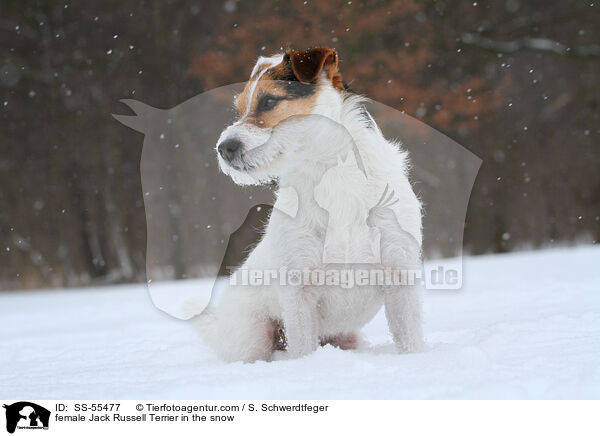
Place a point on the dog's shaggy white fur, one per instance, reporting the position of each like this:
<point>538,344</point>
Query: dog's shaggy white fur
<point>243,324</point>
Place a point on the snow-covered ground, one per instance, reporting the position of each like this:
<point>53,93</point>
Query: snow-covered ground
<point>525,325</point>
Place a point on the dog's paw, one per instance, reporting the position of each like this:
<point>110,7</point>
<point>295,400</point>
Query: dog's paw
<point>410,345</point>
<point>297,352</point>
<point>301,345</point>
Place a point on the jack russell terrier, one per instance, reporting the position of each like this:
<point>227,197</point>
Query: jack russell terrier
<point>344,202</point>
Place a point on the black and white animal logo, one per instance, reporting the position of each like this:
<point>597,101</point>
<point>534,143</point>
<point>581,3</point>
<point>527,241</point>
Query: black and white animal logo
<point>26,415</point>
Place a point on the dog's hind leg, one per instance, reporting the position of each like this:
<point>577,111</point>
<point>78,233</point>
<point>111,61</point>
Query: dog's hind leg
<point>237,335</point>
<point>254,340</point>
<point>343,341</point>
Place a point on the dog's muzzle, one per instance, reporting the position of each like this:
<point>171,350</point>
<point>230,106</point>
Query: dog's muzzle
<point>230,148</point>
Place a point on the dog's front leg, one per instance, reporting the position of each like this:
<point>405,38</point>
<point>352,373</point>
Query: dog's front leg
<point>300,320</point>
<point>403,313</point>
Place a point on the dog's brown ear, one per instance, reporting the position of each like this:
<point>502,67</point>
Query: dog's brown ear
<point>307,65</point>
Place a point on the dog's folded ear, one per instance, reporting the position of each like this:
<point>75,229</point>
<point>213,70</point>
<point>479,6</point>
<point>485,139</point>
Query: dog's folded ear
<point>307,65</point>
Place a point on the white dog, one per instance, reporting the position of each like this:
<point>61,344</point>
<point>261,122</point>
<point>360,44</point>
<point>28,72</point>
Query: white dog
<point>296,122</point>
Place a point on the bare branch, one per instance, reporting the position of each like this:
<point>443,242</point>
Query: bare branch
<point>541,44</point>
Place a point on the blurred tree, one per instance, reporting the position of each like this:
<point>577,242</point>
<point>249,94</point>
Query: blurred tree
<point>514,81</point>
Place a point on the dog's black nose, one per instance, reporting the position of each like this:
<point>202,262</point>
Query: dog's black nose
<point>229,148</point>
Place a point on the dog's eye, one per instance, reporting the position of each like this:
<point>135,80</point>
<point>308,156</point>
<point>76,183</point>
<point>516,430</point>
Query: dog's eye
<point>267,103</point>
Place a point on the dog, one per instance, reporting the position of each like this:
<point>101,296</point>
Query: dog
<point>300,126</point>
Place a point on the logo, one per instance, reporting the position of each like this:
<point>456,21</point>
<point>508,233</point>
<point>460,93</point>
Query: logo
<point>26,415</point>
<point>201,224</point>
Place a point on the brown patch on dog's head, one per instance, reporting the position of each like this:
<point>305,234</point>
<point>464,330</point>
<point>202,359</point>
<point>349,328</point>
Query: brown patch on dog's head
<point>276,92</point>
<point>307,65</point>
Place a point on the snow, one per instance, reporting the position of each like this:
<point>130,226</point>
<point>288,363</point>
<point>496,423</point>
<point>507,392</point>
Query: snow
<point>525,325</point>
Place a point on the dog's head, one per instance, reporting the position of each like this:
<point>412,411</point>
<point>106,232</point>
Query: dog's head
<point>280,89</point>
